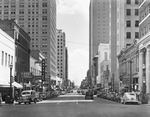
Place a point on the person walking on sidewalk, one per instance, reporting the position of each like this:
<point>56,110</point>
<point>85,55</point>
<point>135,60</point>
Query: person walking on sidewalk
<point>0,99</point>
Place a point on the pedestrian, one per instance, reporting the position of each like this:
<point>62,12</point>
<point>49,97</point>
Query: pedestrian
<point>0,99</point>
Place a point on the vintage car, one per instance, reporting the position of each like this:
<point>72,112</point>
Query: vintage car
<point>129,97</point>
<point>27,96</point>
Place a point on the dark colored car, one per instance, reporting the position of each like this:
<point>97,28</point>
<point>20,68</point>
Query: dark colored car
<point>27,96</point>
<point>89,95</point>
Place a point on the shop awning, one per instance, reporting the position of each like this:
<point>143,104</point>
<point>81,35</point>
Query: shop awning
<point>17,85</point>
<point>4,83</point>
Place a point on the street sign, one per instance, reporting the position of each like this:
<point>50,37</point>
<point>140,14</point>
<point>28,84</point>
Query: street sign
<point>27,75</point>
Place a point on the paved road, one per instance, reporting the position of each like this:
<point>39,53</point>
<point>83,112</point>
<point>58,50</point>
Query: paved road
<point>73,105</point>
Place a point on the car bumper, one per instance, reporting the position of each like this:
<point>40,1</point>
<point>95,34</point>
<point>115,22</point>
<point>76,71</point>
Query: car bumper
<point>88,97</point>
<point>131,101</point>
<point>23,100</point>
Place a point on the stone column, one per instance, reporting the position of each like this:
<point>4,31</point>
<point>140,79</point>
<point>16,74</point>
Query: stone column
<point>148,70</point>
<point>140,70</point>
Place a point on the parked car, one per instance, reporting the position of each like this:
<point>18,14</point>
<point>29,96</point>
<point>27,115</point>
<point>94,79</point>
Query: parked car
<point>99,94</point>
<point>27,96</point>
<point>83,91</point>
<point>129,97</point>
<point>89,95</point>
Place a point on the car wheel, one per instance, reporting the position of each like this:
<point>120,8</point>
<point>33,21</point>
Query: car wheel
<point>19,102</point>
<point>25,102</point>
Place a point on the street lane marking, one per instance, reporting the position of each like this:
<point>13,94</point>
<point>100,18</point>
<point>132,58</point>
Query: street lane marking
<point>63,101</point>
<point>71,96</point>
<point>77,102</point>
<point>59,102</point>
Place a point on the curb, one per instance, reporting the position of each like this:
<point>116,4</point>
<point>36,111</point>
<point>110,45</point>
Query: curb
<point>3,103</point>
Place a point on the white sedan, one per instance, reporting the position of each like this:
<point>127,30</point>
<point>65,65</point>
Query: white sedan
<point>129,97</point>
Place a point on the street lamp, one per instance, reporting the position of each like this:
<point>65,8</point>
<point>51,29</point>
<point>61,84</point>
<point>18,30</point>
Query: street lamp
<point>11,66</point>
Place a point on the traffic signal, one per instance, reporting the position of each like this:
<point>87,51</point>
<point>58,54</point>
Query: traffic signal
<point>43,69</point>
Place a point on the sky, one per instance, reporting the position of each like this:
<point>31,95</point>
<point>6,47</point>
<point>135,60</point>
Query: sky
<point>73,19</point>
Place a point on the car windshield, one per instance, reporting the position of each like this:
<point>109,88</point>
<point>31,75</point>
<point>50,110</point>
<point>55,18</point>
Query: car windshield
<point>132,94</point>
<point>24,93</point>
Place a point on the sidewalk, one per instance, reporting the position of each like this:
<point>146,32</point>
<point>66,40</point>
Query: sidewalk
<point>3,103</point>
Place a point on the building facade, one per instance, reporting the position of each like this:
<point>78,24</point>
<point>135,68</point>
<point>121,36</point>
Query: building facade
<point>38,19</point>
<point>127,28</point>
<point>113,43</point>
<point>103,54</point>
<point>62,56</point>
<point>144,46</point>
<point>7,58</point>
<point>129,68</point>
<point>22,47</point>
<point>105,73</point>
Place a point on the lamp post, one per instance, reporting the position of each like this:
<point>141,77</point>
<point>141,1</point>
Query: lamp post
<point>11,66</point>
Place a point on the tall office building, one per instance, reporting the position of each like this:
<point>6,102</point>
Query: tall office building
<point>98,27</point>
<point>38,19</point>
<point>113,44</point>
<point>62,57</point>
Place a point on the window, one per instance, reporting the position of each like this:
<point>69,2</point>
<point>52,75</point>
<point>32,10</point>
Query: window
<point>127,45</point>
<point>44,18</point>
<point>105,55</point>
<point>136,12</point>
<point>128,23</point>
<point>136,23</point>
<point>136,34</point>
<point>5,59</point>
<point>2,57</point>
<point>128,35</point>
<point>128,1</point>
<point>128,12</point>
<point>8,59</point>
<point>136,2</point>
<point>44,4</point>
<point>11,60</point>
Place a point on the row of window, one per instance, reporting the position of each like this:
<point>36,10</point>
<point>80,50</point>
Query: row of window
<point>6,59</point>
<point>128,35</point>
<point>129,1</point>
<point>44,11</point>
<point>59,36</point>
<point>22,5</point>
<point>35,71</point>
<point>145,12</point>
<point>124,67</point>
<point>128,23</point>
<point>145,30</point>
<point>128,12</point>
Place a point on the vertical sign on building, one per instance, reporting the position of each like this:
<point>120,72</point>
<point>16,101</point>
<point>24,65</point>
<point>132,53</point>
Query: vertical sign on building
<point>43,69</point>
